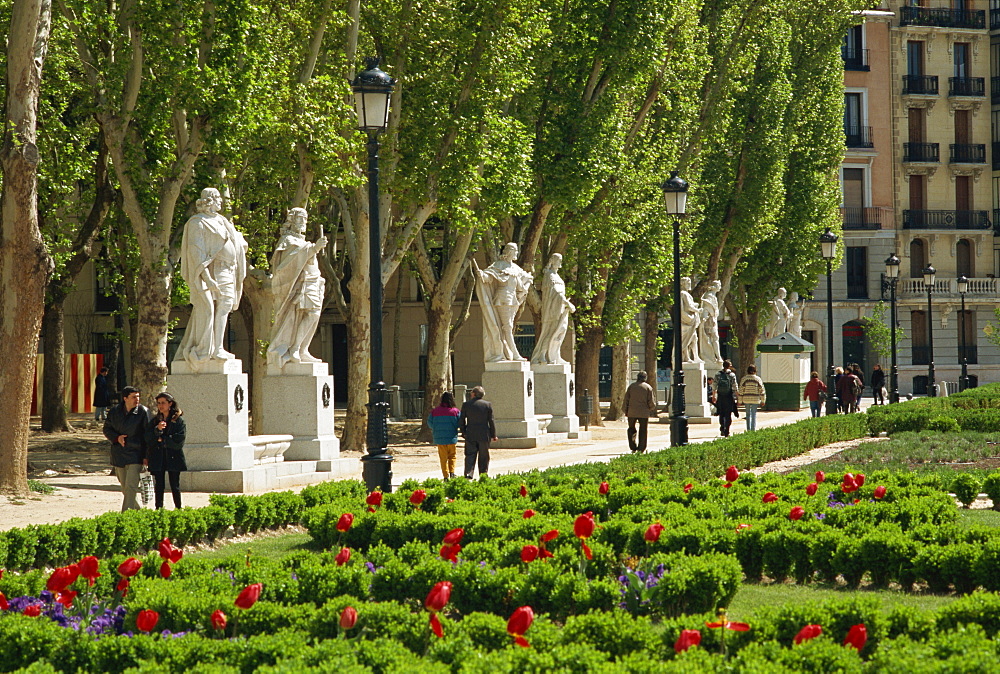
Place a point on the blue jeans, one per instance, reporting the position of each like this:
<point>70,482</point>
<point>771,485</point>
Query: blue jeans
<point>751,413</point>
<point>815,406</point>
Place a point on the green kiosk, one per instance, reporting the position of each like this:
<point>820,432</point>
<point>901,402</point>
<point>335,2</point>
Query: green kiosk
<point>785,369</point>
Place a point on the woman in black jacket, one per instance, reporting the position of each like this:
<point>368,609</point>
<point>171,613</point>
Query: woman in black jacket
<point>165,447</point>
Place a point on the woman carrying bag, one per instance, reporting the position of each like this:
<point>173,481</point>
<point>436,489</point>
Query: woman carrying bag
<point>165,443</point>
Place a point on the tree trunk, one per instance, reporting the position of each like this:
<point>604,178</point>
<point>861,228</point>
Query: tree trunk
<point>651,351</point>
<point>620,366</point>
<point>358,344</point>
<point>438,360</point>
<point>54,375</point>
<point>255,310</point>
<point>588,358</point>
<point>149,351</point>
<point>747,330</point>
<point>24,261</point>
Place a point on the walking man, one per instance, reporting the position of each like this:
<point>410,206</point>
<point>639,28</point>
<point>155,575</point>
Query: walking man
<point>125,429</point>
<point>478,430</point>
<point>640,404</point>
<point>102,396</point>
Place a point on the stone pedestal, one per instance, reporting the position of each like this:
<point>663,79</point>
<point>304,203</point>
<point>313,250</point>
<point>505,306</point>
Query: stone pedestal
<point>555,394</point>
<point>696,405</point>
<point>510,388</point>
<point>216,410</point>
<point>298,400</point>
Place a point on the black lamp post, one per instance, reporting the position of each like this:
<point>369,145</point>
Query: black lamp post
<point>929,273</point>
<point>828,244</point>
<point>892,273</point>
<point>372,93</point>
<point>963,382</point>
<point>675,197</point>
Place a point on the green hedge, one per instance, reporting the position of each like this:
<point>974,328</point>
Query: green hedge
<point>976,409</point>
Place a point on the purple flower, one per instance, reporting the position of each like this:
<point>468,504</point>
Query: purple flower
<point>819,516</point>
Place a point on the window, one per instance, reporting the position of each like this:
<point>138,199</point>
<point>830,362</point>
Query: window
<point>968,350</point>
<point>915,119</point>
<point>960,53</point>
<point>918,337</point>
<point>854,188</point>
<point>914,58</point>
<point>854,39</point>
<point>918,258</point>
<point>964,258</point>
<point>853,119</point>
<point>857,272</point>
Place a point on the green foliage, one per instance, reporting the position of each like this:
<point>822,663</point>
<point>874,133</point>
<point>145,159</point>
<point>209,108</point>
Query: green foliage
<point>991,485</point>
<point>878,333</point>
<point>966,488</point>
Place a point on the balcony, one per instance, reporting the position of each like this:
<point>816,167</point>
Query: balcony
<point>942,17</point>
<point>967,153</point>
<point>854,58</point>
<point>857,217</point>
<point>978,288</point>
<point>924,85</point>
<point>946,220</point>
<point>858,136</point>
<point>966,86</point>
<point>921,152</point>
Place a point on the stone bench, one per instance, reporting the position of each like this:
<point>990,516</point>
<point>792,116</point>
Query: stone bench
<point>269,448</point>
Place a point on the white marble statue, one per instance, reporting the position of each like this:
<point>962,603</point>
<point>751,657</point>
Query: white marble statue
<point>690,320</point>
<point>795,315</point>
<point>214,264</point>
<point>297,286</point>
<point>555,315</point>
<point>709,332</point>
<point>778,321</point>
<point>502,288</point>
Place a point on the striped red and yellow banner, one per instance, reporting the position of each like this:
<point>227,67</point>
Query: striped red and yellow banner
<point>81,369</point>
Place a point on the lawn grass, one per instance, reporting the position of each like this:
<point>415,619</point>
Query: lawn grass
<point>751,597</point>
<point>982,518</point>
<point>270,547</point>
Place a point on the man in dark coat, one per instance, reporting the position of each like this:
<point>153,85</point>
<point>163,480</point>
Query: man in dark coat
<point>478,430</point>
<point>639,405</point>
<point>102,396</point>
<point>125,429</point>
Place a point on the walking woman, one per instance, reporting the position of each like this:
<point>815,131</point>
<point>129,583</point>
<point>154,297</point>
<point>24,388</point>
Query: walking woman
<point>165,443</point>
<point>753,394</point>
<point>444,421</point>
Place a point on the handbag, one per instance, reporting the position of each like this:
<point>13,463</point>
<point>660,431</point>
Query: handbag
<point>146,488</point>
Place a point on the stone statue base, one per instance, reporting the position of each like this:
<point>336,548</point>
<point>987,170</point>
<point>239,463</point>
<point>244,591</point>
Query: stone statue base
<point>216,411</point>
<point>696,405</point>
<point>298,399</point>
<point>555,394</point>
<point>510,387</point>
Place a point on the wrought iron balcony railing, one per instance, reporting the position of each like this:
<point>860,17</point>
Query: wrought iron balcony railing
<point>921,152</point>
<point>857,217</point>
<point>967,153</point>
<point>942,17</point>
<point>859,136</point>
<point>854,58</point>
<point>966,86</point>
<point>913,219</point>
<point>920,84</point>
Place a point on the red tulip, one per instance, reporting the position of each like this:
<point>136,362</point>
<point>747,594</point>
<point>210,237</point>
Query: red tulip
<point>528,514</point>
<point>859,479</point>
<point>729,625</point>
<point>586,550</point>
<point>808,632</point>
<point>417,497</point>
<point>583,527</point>
<point>4,605</point>
<point>549,535</point>
<point>856,637</point>
<point>523,491</point>
<point>343,556</point>
<point>770,497</point>
<point>686,640</point>
<point>345,522</point>
<point>62,578</point>
<point>249,596</point>
<point>741,527</point>
<point>436,626</point>
<point>438,596</point>
<point>811,489</point>
<point>797,513</point>
<point>543,553</point>
<point>176,554</point>
<point>218,620</point>
<point>820,476</point>
<point>454,536</point>
<point>122,586</point>
<point>732,474</point>
<point>688,487</point>
<point>66,597</point>
<point>146,620</point>
<point>348,618</point>
<point>529,553</point>
<point>32,610</point>
<point>165,548</point>
<point>849,482</point>
<point>165,569</point>
<point>728,485</point>
<point>603,489</point>
<point>880,492</point>
<point>88,569</point>
<point>449,553</point>
<point>519,622</point>
<point>374,499</point>
<point>653,532</point>
<point>129,567</point>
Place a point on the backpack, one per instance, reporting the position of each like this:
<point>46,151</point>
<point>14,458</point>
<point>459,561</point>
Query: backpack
<point>723,384</point>
<point>857,388</point>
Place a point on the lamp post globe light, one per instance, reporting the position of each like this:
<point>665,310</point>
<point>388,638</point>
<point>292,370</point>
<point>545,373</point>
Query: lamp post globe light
<point>963,382</point>
<point>828,246</point>
<point>372,92</point>
<point>892,273</point>
<point>929,273</point>
<point>675,200</point>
